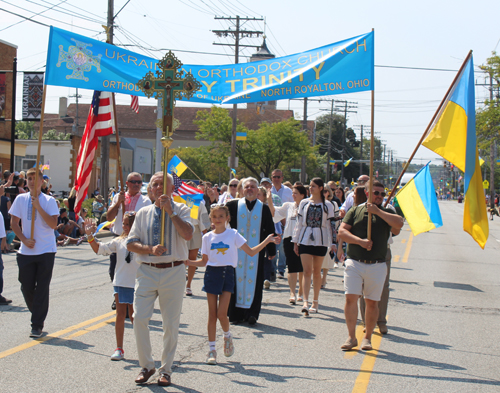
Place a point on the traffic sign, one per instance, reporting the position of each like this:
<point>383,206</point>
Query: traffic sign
<point>486,184</point>
<point>295,170</point>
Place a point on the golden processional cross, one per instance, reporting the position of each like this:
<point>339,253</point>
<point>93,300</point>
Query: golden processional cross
<point>168,85</point>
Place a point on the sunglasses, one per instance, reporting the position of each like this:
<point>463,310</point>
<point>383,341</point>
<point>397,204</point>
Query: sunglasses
<point>276,177</point>
<point>134,181</point>
<point>233,185</point>
<point>129,214</point>
<point>128,258</point>
<point>361,181</point>
<point>377,193</point>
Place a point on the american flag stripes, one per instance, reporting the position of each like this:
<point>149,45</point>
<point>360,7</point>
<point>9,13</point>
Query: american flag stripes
<point>134,105</point>
<point>100,122</point>
<point>181,188</point>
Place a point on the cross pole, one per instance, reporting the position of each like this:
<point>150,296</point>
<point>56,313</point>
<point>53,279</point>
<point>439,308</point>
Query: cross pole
<point>168,85</point>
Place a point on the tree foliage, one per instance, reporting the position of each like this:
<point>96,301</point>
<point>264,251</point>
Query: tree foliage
<point>273,145</point>
<point>26,130</point>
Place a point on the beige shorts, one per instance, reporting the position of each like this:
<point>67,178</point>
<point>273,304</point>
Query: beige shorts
<point>195,242</point>
<point>364,279</point>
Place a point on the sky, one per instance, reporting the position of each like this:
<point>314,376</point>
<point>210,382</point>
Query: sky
<point>429,39</point>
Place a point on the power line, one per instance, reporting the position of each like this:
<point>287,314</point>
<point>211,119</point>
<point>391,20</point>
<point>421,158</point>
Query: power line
<point>177,50</point>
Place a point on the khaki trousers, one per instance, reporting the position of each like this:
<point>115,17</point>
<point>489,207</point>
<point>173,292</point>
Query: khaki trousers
<point>384,300</point>
<point>168,286</point>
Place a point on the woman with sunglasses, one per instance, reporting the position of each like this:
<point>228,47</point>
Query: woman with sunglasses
<point>124,280</point>
<point>231,193</point>
<point>313,236</point>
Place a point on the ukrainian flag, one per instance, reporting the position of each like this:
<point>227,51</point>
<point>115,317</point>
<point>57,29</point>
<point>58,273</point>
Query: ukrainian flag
<point>418,201</point>
<point>241,136</point>
<point>453,137</point>
<point>347,162</point>
<point>192,201</point>
<point>103,225</point>
<point>176,166</point>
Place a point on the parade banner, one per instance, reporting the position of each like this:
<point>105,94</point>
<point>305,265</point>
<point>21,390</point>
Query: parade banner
<point>3,98</point>
<point>343,67</point>
<point>32,96</point>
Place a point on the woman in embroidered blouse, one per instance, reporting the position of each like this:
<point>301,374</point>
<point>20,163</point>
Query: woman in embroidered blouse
<point>313,236</point>
<point>289,211</point>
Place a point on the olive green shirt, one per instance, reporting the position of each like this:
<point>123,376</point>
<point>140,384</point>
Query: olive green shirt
<point>357,218</point>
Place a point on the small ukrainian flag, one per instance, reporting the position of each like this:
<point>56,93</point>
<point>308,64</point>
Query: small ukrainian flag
<point>241,136</point>
<point>176,166</point>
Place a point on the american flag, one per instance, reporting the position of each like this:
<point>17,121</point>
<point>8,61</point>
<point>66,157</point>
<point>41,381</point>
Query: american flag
<point>134,105</point>
<point>100,122</point>
<point>181,188</point>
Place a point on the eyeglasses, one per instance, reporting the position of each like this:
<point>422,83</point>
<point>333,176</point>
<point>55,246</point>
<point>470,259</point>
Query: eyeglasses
<point>233,185</point>
<point>276,177</point>
<point>377,193</point>
<point>361,181</point>
<point>134,181</point>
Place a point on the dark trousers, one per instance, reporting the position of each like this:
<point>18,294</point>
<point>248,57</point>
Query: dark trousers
<point>112,266</point>
<point>35,273</point>
<point>1,274</point>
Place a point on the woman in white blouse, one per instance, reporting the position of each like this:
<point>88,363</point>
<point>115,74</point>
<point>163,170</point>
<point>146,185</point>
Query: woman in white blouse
<point>313,236</point>
<point>289,211</point>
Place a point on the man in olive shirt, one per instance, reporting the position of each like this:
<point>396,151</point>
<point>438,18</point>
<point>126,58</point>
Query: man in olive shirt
<point>365,266</point>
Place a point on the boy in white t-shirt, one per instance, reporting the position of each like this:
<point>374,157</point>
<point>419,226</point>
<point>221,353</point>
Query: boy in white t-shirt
<point>219,250</point>
<point>36,256</point>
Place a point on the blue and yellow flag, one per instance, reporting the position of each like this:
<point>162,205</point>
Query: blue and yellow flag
<point>418,201</point>
<point>453,137</point>
<point>192,201</point>
<point>347,162</point>
<point>241,136</point>
<point>176,166</point>
<point>103,225</point>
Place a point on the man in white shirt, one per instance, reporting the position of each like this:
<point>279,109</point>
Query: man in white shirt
<point>36,256</point>
<point>285,194</point>
<point>134,201</point>
<point>161,275</point>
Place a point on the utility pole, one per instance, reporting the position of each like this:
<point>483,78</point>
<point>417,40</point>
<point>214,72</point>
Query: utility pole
<point>345,110</point>
<point>361,153</point>
<point>329,157</point>
<point>237,34</point>
<point>492,157</point>
<point>304,127</point>
<point>385,171</point>
<point>75,124</point>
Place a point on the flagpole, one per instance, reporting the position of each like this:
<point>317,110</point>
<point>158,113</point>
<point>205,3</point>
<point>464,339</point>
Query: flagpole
<point>427,129</point>
<point>118,150</point>
<point>372,150</point>
<point>37,166</point>
<point>192,172</point>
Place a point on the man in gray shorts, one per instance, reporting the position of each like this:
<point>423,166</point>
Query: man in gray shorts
<point>365,266</point>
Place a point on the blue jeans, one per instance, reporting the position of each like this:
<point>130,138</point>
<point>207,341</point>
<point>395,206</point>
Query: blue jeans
<point>281,258</point>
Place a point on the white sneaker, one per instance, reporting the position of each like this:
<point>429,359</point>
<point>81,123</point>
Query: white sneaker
<point>335,265</point>
<point>228,346</point>
<point>212,357</point>
<point>267,284</point>
<point>118,354</point>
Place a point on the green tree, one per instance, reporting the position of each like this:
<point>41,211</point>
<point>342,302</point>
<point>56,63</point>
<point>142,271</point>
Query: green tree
<point>488,117</point>
<point>26,130</point>
<point>273,145</point>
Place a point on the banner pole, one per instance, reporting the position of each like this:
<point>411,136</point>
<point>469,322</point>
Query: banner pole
<point>118,151</point>
<point>37,164</point>
<point>372,150</point>
<point>403,171</point>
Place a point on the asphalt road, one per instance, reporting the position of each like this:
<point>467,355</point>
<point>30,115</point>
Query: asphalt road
<point>443,329</point>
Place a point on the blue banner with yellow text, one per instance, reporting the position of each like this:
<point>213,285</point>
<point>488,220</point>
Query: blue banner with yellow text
<point>346,66</point>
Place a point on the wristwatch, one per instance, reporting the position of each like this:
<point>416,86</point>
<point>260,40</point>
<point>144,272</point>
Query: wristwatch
<point>172,215</point>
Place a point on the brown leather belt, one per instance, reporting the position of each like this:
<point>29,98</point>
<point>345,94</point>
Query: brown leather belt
<point>164,265</point>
